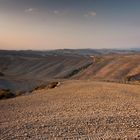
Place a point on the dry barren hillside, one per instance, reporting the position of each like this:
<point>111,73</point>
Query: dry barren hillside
<point>42,67</point>
<point>112,67</point>
<point>24,73</point>
<point>75,110</point>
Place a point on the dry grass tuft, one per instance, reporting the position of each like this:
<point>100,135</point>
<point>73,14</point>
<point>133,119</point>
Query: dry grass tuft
<point>51,85</point>
<point>6,93</point>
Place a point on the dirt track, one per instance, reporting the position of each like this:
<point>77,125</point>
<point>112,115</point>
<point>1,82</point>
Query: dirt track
<point>82,110</point>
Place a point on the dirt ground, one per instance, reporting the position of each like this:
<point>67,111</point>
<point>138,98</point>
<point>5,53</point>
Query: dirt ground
<point>76,110</point>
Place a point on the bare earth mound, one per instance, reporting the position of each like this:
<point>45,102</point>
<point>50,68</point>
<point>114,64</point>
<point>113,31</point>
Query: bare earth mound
<point>74,110</point>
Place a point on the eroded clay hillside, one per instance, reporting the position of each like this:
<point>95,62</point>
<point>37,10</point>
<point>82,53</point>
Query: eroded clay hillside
<point>42,67</point>
<point>113,67</point>
<point>26,72</point>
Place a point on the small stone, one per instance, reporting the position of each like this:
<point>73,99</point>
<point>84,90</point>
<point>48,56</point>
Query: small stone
<point>43,125</point>
<point>26,134</point>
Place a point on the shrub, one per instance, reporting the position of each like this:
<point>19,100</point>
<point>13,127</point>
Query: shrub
<point>49,86</point>
<point>40,87</point>
<point>6,93</point>
<point>127,79</point>
<point>52,85</point>
<point>76,71</point>
<point>19,93</point>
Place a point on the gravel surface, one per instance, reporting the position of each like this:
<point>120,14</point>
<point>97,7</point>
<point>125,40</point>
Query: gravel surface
<point>76,110</point>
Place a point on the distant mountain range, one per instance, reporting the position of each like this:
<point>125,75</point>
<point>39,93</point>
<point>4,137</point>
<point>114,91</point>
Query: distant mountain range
<point>68,52</point>
<point>135,49</point>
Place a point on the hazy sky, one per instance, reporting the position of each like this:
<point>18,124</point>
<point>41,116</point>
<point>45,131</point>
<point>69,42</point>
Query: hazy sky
<point>55,24</point>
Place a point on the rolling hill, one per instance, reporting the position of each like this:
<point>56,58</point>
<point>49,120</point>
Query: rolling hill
<point>25,70</point>
<point>112,67</point>
<point>80,106</point>
<point>74,110</point>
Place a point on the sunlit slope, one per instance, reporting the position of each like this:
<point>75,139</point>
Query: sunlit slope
<point>74,110</point>
<point>112,67</point>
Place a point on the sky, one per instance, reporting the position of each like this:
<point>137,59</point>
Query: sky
<point>73,24</point>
